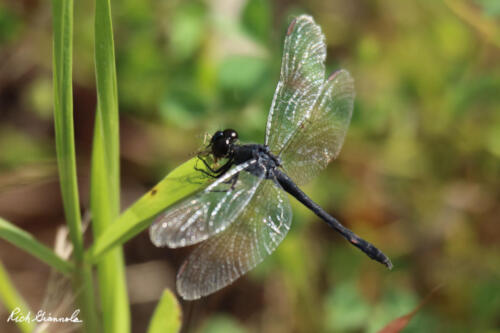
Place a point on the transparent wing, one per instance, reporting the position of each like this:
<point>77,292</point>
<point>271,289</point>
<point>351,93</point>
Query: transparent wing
<point>209,211</point>
<point>254,235</point>
<point>322,134</point>
<point>302,76</point>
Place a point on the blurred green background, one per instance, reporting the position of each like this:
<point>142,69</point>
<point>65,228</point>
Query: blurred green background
<point>419,174</point>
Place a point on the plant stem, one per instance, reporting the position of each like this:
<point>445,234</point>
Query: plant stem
<point>105,174</point>
<point>62,11</point>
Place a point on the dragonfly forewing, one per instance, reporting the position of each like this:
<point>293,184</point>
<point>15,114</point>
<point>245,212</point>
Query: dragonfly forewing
<point>301,78</point>
<point>254,235</point>
<point>209,211</point>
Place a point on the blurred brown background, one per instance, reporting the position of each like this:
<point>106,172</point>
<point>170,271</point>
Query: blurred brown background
<point>418,175</point>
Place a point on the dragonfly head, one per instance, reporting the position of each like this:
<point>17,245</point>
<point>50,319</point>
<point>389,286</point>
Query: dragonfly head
<point>222,141</point>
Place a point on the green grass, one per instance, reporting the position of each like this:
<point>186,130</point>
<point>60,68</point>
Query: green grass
<point>105,174</point>
<point>12,299</point>
<point>62,13</point>
<point>28,243</point>
<point>63,118</point>
<point>106,254</point>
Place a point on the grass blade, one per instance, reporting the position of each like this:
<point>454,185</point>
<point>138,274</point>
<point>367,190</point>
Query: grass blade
<point>28,243</point>
<point>138,216</point>
<point>111,269</point>
<point>105,174</point>
<point>63,118</point>
<point>13,300</point>
<point>107,96</point>
<point>167,315</point>
<point>62,15</point>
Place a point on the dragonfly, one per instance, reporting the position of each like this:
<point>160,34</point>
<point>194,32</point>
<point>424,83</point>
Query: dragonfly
<point>243,213</point>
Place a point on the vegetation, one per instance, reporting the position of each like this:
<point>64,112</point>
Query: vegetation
<point>132,89</point>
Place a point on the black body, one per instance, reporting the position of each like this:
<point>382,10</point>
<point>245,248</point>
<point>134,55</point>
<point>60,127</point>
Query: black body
<point>223,145</point>
<point>368,248</point>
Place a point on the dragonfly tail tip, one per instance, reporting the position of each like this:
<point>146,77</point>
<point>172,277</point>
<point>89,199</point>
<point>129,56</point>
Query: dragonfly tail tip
<point>388,263</point>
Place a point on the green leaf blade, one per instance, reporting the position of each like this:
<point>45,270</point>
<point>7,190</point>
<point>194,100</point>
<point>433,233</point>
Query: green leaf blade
<point>107,97</point>
<point>167,317</point>
<point>105,174</point>
<point>63,119</point>
<point>178,184</point>
<point>28,243</point>
<point>13,300</point>
<point>62,14</point>
<point>111,270</point>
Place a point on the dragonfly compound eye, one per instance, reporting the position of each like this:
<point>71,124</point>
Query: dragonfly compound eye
<point>217,136</point>
<point>220,146</point>
<point>231,134</point>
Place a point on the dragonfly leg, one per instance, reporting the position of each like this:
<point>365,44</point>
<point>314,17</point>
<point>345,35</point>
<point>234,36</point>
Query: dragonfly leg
<point>233,181</point>
<point>223,169</point>
<point>205,172</point>
<point>214,173</point>
<point>217,173</point>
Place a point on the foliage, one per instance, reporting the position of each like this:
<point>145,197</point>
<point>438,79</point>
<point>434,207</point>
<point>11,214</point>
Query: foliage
<point>167,315</point>
<point>417,176</point>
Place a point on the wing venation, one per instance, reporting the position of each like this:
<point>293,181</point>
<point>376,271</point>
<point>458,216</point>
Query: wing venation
<point>301,78</point>
<point>254,235</point>
<point>207,212</point>
<point>322,134</point>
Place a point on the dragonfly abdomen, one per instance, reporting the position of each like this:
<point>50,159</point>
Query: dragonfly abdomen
<point>368,248</point>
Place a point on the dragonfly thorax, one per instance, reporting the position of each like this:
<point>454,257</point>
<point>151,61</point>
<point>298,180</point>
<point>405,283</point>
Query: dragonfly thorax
<point>265,161</point>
